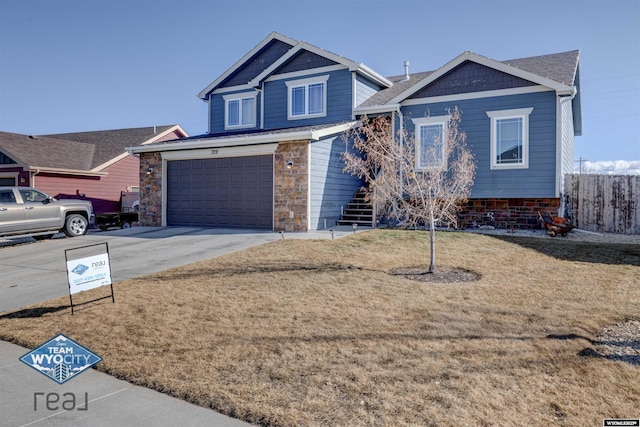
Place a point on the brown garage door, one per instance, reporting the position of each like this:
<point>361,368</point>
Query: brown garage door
<point>232,192</point>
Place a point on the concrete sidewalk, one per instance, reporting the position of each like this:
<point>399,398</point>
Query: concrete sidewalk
<point>107,400</point>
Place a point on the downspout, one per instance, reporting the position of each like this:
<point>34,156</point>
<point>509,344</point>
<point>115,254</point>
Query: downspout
<point>262,105</point>
<point>32,178</point>
<point>560,146</point>
<point>210,112</point>
<point>400,133</point>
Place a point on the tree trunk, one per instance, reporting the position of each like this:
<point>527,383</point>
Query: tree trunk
<point>432,245</point>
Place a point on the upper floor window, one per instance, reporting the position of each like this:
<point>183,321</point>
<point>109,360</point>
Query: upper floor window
<point>240,110</point>
<point>307,97</point>
<point>510,138</point>
<point>431,133</point>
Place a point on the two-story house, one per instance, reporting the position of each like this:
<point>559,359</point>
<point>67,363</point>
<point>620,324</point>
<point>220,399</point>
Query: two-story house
<point>272,157</point>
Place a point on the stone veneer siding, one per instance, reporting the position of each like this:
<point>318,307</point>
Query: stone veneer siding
<point>291,187</point>
<point>150,190</point>
<point>507,213</point>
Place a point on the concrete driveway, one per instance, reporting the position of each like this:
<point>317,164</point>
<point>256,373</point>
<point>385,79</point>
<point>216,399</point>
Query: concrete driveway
<point>33,272</point>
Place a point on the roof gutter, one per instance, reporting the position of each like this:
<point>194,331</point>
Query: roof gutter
<point>60,171</point>
<point>376,109</point>
<point>240,140</point>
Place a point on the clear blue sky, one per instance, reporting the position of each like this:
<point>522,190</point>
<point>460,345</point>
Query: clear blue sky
<point>78,65</point>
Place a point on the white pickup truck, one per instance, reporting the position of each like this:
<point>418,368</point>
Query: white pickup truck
<point>25,210</point>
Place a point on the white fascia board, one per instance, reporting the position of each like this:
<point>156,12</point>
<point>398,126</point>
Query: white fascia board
<point>476,95</point>
<point>110,162</point>
<point>61,171</point>
<point>18,161</point>
<point>488,62</point>
<point>233,141</point>
<point>274,35</point>
<point>321,133</point>
<point>165,133</point>
<point>376,109</point>
<point>374,76</point>
<point>148,141</point>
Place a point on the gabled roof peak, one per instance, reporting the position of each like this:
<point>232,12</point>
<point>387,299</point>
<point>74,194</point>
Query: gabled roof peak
<point>296,46</point>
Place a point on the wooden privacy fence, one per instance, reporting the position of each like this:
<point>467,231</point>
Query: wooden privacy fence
<point>605,203</point>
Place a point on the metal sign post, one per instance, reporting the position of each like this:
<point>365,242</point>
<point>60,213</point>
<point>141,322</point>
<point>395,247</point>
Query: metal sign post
<point>88,272</point>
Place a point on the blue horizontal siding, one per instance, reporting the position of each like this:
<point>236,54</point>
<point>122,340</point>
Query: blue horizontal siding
<point>365,89</point>
<point>216,112</point>
<point>330,188</point>
<point>339,100</point>
<point>539,179</point>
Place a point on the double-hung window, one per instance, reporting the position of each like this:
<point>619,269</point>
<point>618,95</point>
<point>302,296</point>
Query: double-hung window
<point>240,110</point>
<point>431,140</point>
<point>307,97</point>
<point>510,138</point>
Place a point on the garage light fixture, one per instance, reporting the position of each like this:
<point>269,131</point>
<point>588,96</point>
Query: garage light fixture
<point>149,171</point>
<point>289,164</point>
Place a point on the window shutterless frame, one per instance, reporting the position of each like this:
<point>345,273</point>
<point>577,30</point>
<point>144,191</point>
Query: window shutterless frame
<point>307,98</point>
<point>509,138</point>
<point>431,140</point>
<point>240,110</point>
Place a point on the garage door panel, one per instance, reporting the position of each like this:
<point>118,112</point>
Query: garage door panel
<point>225,192</point>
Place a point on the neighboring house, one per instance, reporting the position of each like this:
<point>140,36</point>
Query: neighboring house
<point>89,165</point>
<point>272,156</point>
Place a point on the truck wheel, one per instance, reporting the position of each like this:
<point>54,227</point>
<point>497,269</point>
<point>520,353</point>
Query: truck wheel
<point>125,224</point>
<point>75,225</point>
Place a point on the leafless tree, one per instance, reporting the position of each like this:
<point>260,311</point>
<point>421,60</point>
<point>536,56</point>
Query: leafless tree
<point>414,184</point>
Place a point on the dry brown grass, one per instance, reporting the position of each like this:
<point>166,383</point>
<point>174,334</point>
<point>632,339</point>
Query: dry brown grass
<point>317,333</point>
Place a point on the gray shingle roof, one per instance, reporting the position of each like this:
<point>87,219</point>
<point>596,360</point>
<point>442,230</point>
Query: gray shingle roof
<point>82,151</point>
<point>560,67</point>
<point>47,152</point>
<point>399,86</point>
<point>111,143</point>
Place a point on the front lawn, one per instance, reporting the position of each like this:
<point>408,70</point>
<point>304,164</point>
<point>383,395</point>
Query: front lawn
<point>318,332</point>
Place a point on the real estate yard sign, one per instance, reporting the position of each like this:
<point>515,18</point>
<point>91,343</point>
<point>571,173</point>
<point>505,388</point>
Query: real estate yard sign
<point>88,272</point>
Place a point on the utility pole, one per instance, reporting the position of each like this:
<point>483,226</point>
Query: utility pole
<point>580,161</point>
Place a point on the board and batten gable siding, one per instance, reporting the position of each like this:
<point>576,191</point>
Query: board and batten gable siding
<point>470,77</point>
<point>304,60</point>
<point>539,179</point>
<point>257,63</point>
<point>330,187</point>
<point>365,89</point>
<point>339,101</point>
<point>217,112</point>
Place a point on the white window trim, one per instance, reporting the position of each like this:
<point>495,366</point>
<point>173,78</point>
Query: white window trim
<point>239,97</point>
<point>291,84</point>
<point>519,113</point>
<point>429,121</point>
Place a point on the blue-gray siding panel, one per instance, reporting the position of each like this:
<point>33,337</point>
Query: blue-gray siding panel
<point>539,179</point>
<point>330,188</point>
<point>339,96</point>
<point>365,89</point>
